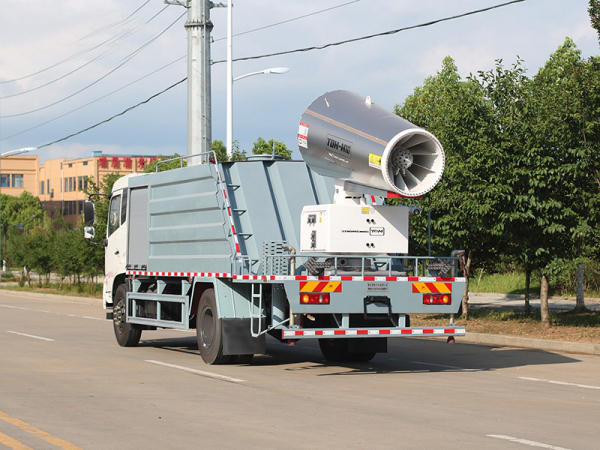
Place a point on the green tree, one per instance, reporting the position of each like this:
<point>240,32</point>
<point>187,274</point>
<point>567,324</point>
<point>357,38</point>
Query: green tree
<point>24,213</point>
<point>594,11</point>
<point>221,151</point>
<point>151,167</point>
<point>100,193</point>
<point>559,196</point>
<point>262,147</point>
<point>464,205</point>
<point>507,92</point>
<point>40,253</point>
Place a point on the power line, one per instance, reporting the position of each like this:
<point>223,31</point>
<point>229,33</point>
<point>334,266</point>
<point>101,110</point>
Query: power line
<point>294,51</point>
<point>111,118</point>
<point>114,39</point>
<point>108,27</point>
<point>125,60</point>
<point>61,77</point>
<point>151,73</point>
<point>92,102</point>
<point>83,52</point>
<point>386,33</point>
<point>290,20</point>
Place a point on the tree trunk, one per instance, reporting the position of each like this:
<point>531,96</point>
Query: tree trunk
<point>580,302</point>
<point>544,302</point>
<point>527,290</point>
<point>467,273</point>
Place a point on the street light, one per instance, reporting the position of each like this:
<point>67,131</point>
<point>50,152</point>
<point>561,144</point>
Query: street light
<point>277,70</point>
<point>17,151</point>
<point>274,70</point>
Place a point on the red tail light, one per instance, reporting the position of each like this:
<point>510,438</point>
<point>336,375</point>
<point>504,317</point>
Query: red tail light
<point>437,299</point>
<point>314,299</point>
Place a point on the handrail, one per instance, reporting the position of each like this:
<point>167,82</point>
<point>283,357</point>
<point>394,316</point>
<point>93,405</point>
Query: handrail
<point>418,262</point>
<point>185,157</point>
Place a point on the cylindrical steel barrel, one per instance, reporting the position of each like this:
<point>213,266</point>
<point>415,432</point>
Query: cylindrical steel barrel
<point>344,135</point>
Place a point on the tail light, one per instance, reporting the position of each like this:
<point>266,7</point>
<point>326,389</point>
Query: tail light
<point>437,299</point>
<point>314,299</point>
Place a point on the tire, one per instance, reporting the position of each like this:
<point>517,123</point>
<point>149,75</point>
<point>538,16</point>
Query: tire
<point>127,334</point>
<point>241,359</point>
<point>208,330</point>
<point>336,350</point>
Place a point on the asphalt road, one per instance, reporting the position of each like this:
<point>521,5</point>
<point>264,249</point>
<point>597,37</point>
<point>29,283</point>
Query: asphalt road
<point>65,383</point>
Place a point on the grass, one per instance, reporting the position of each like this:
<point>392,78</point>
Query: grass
<point>512,283</point>
<point>8,276</point>
<point>583,327</point>
<point>76,290</point>
<point>507,283</point>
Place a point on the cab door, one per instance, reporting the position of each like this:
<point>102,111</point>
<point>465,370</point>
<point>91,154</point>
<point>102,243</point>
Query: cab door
<point>116,234</point>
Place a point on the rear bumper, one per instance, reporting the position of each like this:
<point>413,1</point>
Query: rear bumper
<point>349,333</point>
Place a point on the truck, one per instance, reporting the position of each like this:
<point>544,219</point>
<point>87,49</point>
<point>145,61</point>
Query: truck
<point>298,250</point>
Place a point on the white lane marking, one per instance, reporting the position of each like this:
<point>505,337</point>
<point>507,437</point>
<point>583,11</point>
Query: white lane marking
<point>526,442</point>
<point>51,312</point>
<point>563,383</point>
<point>31,336</point>
<point>197,372</point>
<point>443,366</point>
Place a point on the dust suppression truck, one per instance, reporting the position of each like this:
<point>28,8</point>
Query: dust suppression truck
<point>294,249</point>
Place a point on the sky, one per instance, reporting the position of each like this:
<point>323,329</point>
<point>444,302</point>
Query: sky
<point>68,65</point>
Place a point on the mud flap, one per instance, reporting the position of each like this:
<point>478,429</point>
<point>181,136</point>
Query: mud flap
<point>237,339</point>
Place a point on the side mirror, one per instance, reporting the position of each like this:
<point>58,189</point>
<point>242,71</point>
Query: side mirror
<point>89,232</point>
<point>89,214</point>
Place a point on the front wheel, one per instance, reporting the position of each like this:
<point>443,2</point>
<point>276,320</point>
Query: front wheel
<point>127,334</point>
<point>208,330</point>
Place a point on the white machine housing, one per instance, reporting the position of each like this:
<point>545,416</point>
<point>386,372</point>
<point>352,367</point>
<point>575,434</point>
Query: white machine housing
<point>354,229</point>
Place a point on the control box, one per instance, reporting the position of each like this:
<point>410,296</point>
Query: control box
<point>354,229</point>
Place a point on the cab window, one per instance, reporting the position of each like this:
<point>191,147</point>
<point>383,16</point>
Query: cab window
<point>114,214</point>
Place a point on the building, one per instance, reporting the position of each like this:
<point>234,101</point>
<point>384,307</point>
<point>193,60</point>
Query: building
<point>59,183</point>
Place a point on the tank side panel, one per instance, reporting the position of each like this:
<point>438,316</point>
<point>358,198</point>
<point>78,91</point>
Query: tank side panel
<point>273,194</point>
<point>293,188</point>
<point>186,223</point>
<point>257,219</point>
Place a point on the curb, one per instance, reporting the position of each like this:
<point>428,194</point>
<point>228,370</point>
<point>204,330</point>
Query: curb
<point>57,297</point>
<point>538,344</point>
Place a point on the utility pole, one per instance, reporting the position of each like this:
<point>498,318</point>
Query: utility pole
<point>198,28</point>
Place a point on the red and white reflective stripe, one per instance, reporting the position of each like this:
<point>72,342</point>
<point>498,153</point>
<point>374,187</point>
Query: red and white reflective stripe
<point>223,188</point>
<point>366,332</point>
<point>341,278</point>
<point>179,274</point>
<point>265,278</point>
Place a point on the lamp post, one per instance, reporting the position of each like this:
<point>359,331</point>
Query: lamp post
<point>17,151</point>
<point>229,144</point>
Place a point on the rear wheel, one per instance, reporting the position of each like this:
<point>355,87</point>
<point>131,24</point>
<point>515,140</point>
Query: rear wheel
<point>241,359</point>
<point>208,330</point>
<point>127,334</point>
<point>336,350</point>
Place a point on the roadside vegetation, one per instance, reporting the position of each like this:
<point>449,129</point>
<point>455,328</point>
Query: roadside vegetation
<point>75,290</point>
<point>521,188</point>
<point>514,283</point>
<point>583,327</point>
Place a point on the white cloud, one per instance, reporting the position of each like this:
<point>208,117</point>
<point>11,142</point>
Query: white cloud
<point>36,34</point>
